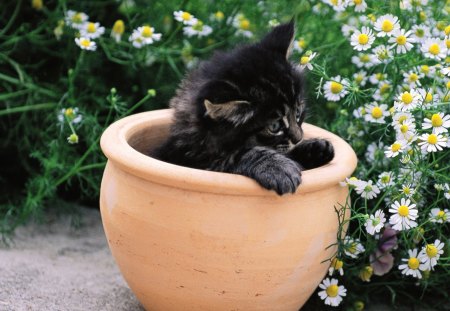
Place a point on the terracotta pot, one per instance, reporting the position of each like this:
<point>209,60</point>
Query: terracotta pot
<point>187,239</point>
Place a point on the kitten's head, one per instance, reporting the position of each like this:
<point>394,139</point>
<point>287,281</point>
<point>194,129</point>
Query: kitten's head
<point>253,94</point>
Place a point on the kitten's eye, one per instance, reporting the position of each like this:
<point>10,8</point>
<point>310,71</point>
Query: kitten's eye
<point>275,127</point>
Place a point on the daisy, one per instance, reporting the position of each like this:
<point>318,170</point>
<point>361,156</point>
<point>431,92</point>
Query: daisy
<point>86,44</point>
<point>383,54</point>
<point>386,25</point>
<point>407,190</point>
<point>360,77</point>
<point>352,247</point>
<point>352,182</point>
<point>411,264</point>
<point>360,5</point>
<point>75,19</point>
<point>242,24</point>
<point>375,222</point>
<point>447,190</point>
<point>335,89</point>
<point>382,91</point>
<point>376,113</point>
<point>70,114</point>
<point>385,179</point>
<point>446,71</point>
<point>144,35</point>
<point>428,97</point>
<point>366,273</point>
<point>374,150</point>
<point>403,215</point>
<point>73,139</point>
<point>198,29</point>
<point>434,48</point>
<point>362,40</point>
<point>402,41</point>
<point>336,265</point>
<point>400,117</point>
<point>420,32</point>
<point>395,149</point>
<point>299,45</point>
<point>185,17</point>
<point>305,61</point>
<point>412,78</point>
<point>364,60</point>
<point>429,255</point>
<point>92,30</point>
<point>406,131</point>
<point>432,142</point>
<point>347,30</point>
<point>118,30</point>
<point>376,78</point>
<point>439,122</point>
<point>407,101</point>
<point>337,5</point>
<point>367,190</point>
<point>332,293</point>
<point>440,216</point>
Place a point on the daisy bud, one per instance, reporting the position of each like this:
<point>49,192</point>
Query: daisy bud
<point>37,4</point>
<point>151,92</point>
<point>358,305</point>
<point>366,273</point>
<point>72,139</point>
<point>118,30</point>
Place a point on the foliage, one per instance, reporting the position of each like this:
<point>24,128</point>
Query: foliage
<point>62,84</point>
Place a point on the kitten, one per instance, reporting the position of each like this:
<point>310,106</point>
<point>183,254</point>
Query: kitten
<point>241,112</point>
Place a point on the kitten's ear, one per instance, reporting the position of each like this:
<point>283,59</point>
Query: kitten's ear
<point>222,100</point>
<point>280,39</point>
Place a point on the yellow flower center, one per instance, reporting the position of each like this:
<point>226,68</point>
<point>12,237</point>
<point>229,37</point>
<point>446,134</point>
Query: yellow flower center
<point>402,118</point>
<point>384,88</point>
<point>147,31</point>
<point>425,69</point>
<point>379,76</point>
<point>441,215</point>
<point>447,30</point>
<point>401,40</point>
<point>304,60</point>
<point>352,247</point>
<point>428,97</point>
<point>37,4</point>
<point>77,18</point>
<point>396,147</point>
<point>422,16</point>
<point>359,78</point>
<point>301,43</point>
<point>336,87</point>
<point>198,26</point>
<point>357,2</point>
<point>407,98</point>
<point>440,25</point>
<point>363,38</point>
<point>404,128</point>
<point>119,27</point>
<point>85,42</point>
<point>432,139</point>
<point>244,24</point>
<point>219,15</point>
<point>387,26</point>
<point>332,290</point>
<point>413,263</point>
<point>431,250</point>
<point>70,113</point>
<point>365,58</point>
<point>448,85</point>
<point>403,210</point>
<point>406,190</point>
<point>420,32</point>
<point>385,179</point>
<point>436,120</point>
<point>413,77</point>
<point>337,264</point>
<point>434,49</point>
<point>186,16</point>
<point>377,112</point>
<point>91,28</point>
<point>334,2</point>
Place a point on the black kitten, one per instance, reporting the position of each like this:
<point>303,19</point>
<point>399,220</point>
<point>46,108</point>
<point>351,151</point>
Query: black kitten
<point>241,112</point>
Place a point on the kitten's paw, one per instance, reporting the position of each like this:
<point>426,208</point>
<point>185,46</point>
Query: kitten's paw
<point>312,153</point>
<point>279,174</point>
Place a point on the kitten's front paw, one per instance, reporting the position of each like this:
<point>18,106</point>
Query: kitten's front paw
<point>280,174</point>
<point>312,153</point>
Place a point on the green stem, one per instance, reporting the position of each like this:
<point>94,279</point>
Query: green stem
<point>8,111</point>
<point>12,19</point>
<point>28,85</point>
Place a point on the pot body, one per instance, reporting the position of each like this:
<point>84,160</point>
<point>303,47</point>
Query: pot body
<point>185,244</point>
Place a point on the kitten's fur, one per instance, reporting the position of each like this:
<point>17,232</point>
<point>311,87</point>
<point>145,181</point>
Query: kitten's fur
<point>241,112</point>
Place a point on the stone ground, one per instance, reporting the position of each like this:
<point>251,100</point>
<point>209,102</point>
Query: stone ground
<point>55,266</point>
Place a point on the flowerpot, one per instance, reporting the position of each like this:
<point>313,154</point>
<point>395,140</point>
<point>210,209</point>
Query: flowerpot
<point>188,239</point>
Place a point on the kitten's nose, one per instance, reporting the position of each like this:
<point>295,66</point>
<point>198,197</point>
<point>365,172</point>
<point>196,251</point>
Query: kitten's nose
<point>295,134</point>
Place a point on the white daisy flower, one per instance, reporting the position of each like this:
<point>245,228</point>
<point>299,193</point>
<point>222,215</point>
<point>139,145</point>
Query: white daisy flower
<point>367,189</point>
<point>353,247</point>
<point>375,222</point>
<point>337,5</point>
<point>242,24</point>
<point>447,189</point>
<point>376,78</point>
<point>411,265</point>
<point>70,114</point>
<point>420,32</point>
<point>185,17</point>
<point>439,122</point>
<point>426,70</point>
<point>400,117</point>
<point>412,78</point>
<point>335,89</point>
<point>432,142</point>
<point>336,265</point>
<point>403,215</point>
<point>407,101</point>
<point>86,44</point>
<point>360,77</point>
<point>299,45</point>
<point>360,5</point>
<point>406,131</point>
<point>429,255</point>
<point>407,190</point>
<point>144,35</point>
<point>376,113</point>
<point>446,71</point>
<point>385,179</point>
<point>332,293</point>
<point>75,19</point>
<point>439,216</point>
<point>399,146</point>
<point>364,60</point>
<point>383,54</point>
<point>382,91</point>
<point>402,40</point>
<point>305,60</point>
<point>386,25</point>
<point>347,30</point>
<point>198,29</point>
<point>434,48</point>
<point>362,40</point>
<point>352,182</point>
<point>92,30</point>
<point>428,97</point>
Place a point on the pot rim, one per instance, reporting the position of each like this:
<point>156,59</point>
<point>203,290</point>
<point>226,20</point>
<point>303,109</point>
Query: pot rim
<point>114,144</point>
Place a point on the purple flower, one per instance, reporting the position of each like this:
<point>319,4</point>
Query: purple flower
<point>382,260</point>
